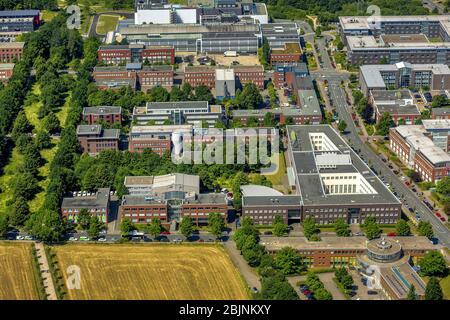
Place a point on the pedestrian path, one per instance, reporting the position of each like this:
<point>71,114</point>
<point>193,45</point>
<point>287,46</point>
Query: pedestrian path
<point>45,272</point>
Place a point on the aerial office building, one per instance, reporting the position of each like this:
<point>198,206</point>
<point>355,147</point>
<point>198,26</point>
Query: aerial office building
<point>214,38</point>
<point>180,112</point>
<point>404,75</point>
<point>169,198</point>
<point>328,181</point>
<point>392,39</point>
<point>16,22</point>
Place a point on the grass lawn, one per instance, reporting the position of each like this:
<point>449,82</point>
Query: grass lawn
<point>47,155</point>
<point>312,64</point>
<point>48,15</point>
<point>445,285</point>
<point>277,178</point>
<point>152,272</point>
<point>107,23</point>
<point>5,180</point>
<point>32,110</point>
<point>17,276</point>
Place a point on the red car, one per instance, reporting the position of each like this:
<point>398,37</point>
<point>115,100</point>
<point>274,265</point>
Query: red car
<point>438,214</point>
<point>165,232</point>
<point>442,219</point>
<point>306,292</point>
<point>391,234</point>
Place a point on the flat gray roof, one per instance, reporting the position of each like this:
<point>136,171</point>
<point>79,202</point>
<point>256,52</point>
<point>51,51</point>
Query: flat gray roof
<point>100,199</point>
<point>309,179</point>
<point>102,110</point>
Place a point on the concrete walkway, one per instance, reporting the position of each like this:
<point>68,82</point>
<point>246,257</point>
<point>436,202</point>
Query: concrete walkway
<point>45,273</point>
<point>246,271</point>
<point>330,285</point>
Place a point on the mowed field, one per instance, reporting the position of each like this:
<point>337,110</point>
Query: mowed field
<point>151,272</point>
<point>17,280</point>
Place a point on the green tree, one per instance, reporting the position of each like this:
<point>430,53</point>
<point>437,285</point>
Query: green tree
<point>46,225</point>
<point>425,229</point>
<point>126,226</point>
<point>19,212</point>
<point>24,185</point>
<point>95,226</point>
<point>433,290</point>
<point>342,228</point>
<point>249,98</point>
<point>371,228</point>
<point>440,101</point>
<point>216,223</point>
<point>83,219</point>
<point>186,227</point>
<point>269,120</point>
<point>322,294</point>
<point>279,227</point>
<point>433,264</point>
<point>402,228</point>
<point>411,293</point>
<point>384,124</point>
<point>155,228</point>
<point>342,126</point>
<point>158,94</point>
<point>288,261</point>
<point>203,93</point>
<point>4,226</point>
<point>51,123</point>
<point>265,52</point>
<point>443,186</point>
<point>43,140</point>
<point>21,126</point>
<point>310,228</point>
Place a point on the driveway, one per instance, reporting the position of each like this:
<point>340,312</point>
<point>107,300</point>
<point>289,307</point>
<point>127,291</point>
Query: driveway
<point>246,271</point>
<point>330,285</point>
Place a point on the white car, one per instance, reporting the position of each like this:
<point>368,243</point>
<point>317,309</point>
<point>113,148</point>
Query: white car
<point>102,239</point>
<point>20,238</point>
<point>73,239</point>
<point>28,238</point>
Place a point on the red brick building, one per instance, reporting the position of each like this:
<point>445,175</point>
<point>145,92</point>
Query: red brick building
<point>417,151</point>
<point>200,75</point>
<point>114,54</point>
<point>6,72</point>
<point>10,51</point>
<point>291,53</point>
<point>156,138</point>
<point>119,54</point>
<point>158,54</point>
<point>142,209</point>
<point>249,74</point>
<point>440,113</point>
<point>199,208</point>
<point>134,75</point>
<point>97,204</point>
<point>93,139</point>
<point>108,114</point>
<point>206,75</point>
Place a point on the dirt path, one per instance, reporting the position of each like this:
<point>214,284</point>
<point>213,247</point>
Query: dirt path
<point>45,273</point>
<point>246,271</point>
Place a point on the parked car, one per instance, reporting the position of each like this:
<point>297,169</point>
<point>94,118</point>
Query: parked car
<point>442,219</point>
<point>20,238</point>
<point>84,238</point>
<point>101,239</point>
<point>73,239</point>
<point>372,292</point>
<point>165,232</point>
<point>267,233</point>
<point>391,234</point>
<point>438,214</point>
<point>254,290</point>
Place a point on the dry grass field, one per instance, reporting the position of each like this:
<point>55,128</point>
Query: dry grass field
<point>16,272</point>
<point>151,272</point>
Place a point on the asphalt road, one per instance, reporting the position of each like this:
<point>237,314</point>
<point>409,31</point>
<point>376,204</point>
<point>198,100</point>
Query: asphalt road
<point>339,101</point>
